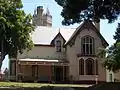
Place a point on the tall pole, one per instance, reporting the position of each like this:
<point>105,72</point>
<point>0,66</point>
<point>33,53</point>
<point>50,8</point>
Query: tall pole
<point>63,72</point>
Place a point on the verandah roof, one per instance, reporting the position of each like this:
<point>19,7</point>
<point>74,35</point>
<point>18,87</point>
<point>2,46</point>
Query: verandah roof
<point>42,62</point>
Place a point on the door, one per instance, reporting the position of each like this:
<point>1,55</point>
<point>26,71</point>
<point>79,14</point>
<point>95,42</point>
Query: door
<point>35,71</point>
<point>58,73</point>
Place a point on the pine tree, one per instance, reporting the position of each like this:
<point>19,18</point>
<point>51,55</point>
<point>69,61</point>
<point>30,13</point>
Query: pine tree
<point>75,11</point>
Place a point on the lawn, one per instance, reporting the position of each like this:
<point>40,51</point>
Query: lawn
<point>17,84</point>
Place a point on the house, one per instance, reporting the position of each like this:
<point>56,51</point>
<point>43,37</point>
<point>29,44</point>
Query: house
<point>63,54</point>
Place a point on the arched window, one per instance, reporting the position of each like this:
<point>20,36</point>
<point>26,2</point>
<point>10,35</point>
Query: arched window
<point>87,45</point>
<point>89,67</point>
<point>81,67</point>
<point>58,46</point>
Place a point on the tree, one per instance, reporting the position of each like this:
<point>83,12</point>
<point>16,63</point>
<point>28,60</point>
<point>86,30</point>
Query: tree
<point>112,61</point>
<point>75,11</point>
<point>15,29</point>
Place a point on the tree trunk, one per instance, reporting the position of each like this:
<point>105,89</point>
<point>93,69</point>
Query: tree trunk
<point>2,53</point>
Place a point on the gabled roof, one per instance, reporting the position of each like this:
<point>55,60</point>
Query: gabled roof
<point>59,34</point>
<point>44,35</point>
<point>85,25</point>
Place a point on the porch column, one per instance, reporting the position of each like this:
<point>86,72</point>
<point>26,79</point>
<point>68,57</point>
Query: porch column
<point>84,67</point>
<point>19,73</point>
<point>50,77</point>
<point>63,72</point>
<point>37,73</point>
<point>53,73</point>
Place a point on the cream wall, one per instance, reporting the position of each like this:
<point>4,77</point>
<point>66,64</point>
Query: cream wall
<point>91,33</point>
<point>76,49</point>
<point>108,76</point>
<point>101,71</point>
<point>43,52</point>
<point>117,76</point>
<point>73,62</point>
<point>47,52</point>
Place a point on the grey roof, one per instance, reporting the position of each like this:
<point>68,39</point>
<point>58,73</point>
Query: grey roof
<point>44,35</point>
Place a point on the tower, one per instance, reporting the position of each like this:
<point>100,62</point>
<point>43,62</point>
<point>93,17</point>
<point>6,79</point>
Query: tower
<point>42,19</point>
<point>47,18</point>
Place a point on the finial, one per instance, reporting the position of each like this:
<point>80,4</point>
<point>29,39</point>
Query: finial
<point>48,12</point>
<point>59,30</point>
<point>35,10</point>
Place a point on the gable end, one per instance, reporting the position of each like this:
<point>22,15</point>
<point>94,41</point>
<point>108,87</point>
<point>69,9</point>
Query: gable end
<point>58,35</point>
<point>86,25</point>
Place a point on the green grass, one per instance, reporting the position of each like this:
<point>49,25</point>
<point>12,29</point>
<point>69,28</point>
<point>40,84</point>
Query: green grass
<point>17,84</point>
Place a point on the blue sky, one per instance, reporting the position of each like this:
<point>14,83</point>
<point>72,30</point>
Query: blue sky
<point>107,30</point>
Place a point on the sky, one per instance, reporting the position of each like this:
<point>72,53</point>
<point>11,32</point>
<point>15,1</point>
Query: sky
<point>107,30</point>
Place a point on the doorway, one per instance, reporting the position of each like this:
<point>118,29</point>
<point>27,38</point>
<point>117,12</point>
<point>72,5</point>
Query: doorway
<point>35,70</point>
<point>58,73</point>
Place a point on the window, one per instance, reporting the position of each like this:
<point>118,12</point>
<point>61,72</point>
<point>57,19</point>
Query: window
<point>87,45</point>
<point>89,67</point>
<point>81,67</point>
<point>58,46</point>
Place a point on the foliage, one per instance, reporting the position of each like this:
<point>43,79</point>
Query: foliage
<point>101,52</point>
<point>15,28</point>
<point>113,59</point>
<point>75,11</point>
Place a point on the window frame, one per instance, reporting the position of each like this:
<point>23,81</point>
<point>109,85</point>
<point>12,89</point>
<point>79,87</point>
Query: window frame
<point>87,42</point>
<point>90,66</point>
<point>58,46</point>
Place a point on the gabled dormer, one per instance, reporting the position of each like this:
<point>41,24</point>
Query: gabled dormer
<point>59,42</point>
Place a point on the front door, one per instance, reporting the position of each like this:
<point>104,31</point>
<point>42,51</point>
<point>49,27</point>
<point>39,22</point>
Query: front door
<point>58,73</point>
<point>35,71</point>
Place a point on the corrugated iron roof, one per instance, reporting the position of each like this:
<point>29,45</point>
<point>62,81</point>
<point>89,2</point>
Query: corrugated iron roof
<point>44,35</point>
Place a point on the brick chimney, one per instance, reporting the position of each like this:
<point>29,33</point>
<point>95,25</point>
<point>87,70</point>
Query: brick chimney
<point>97,25</point>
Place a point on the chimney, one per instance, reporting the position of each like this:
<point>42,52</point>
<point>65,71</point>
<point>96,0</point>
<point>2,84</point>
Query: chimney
<point>97,25</point>
<point>39,9</point>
